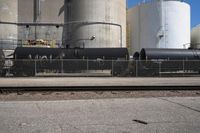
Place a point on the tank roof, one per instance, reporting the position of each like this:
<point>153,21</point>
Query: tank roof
<point>148,1</point>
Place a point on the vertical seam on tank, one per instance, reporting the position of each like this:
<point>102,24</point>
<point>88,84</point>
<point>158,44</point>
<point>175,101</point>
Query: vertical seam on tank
<point>139,17</point>
<point>165,24</point>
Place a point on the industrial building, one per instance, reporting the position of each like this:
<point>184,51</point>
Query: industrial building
<point>40,11</point>
<point>103,20</point>
<point>98,35</point>
<point>97,23</point>
<point>9,33</point>
<point>159,24</point>
<point>29,11</point>
<point>195,37</point>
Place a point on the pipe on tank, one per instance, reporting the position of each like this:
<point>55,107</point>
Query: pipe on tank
<point>169,54</point>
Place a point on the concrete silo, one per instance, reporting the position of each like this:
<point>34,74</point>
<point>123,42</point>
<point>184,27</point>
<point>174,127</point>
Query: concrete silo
<point>9,13</point>
<point>195,37</point>
<point>104,19</point>
<point>159,24</point>
<point>40,11</point>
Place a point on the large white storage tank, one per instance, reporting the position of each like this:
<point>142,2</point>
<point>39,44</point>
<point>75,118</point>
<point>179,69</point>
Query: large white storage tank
<point>106,11</point>
<point>195,37</point>
<point>8,33</point>
<point>159,24</point>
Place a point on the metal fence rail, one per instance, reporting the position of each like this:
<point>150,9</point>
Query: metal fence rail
<point>84,67</point>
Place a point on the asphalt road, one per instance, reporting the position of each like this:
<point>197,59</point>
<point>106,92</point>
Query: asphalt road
<point>135,115</point>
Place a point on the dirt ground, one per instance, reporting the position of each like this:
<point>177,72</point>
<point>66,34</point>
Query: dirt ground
<point>73,95</point>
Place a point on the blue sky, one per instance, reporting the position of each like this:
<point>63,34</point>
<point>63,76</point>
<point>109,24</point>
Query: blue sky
<point>195,10</point>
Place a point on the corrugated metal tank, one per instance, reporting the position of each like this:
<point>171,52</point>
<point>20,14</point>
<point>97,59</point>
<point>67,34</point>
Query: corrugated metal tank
<point>159,24</point>
<point>109,11</point>
<point>8,34</point>
<point>195,37</point>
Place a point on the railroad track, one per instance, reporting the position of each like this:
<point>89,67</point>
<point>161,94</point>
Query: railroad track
<point>101,88</point>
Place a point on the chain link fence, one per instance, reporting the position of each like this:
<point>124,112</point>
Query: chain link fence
<point>112,68</point>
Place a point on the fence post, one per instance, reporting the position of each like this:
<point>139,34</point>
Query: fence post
<point>35,66</point>
<point>87,67</point>
<point>10,62</point>
<point>62,66</point>
<point>183,68</point>
<point>136,68</point>
<point>112,68</point>
<point>160,65</point>
<point>1,43</point>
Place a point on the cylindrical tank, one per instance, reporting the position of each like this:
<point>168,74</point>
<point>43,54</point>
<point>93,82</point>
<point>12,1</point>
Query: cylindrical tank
<point>195,37</point>
<point>8,34</point>
<point>159,24</point>
<point>106,35</point>
<point>87,53</point>
<point>40,11</point>
<point>169,54</point>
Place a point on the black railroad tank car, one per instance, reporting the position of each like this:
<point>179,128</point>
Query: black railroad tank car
<point>28,61</point>
<point>58,53</point>
<point>169,54</point>
<point>155,61</point>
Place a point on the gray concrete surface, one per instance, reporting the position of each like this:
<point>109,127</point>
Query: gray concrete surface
<point>97,81</point>
<point>163,115</point>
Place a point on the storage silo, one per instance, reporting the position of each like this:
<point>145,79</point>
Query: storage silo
<point>195,37</point>
<point>104,19</point>
<point>40,11</point>
<point>8,34</point>
<point>159,24</point>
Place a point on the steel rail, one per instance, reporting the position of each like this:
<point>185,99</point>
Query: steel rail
<point>102,88</point>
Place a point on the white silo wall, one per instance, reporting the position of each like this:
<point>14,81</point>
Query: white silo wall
<point>195,37</point>
<point>159,24</point>
<point>109,11</point>
<point>8,33</point>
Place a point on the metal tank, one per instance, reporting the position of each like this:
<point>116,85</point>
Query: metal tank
<point>103,19</point>
<point>195,37</point>
<point>40,11</point>
<point>159,24</point>
<point>8,34</point>
<point>169,54</point>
